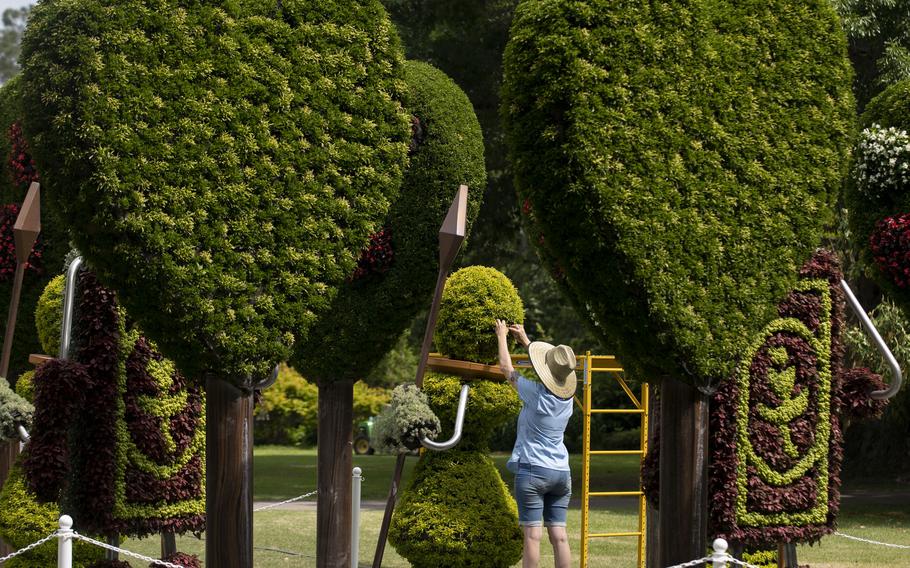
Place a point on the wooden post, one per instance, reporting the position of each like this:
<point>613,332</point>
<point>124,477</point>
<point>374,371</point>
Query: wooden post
<point>228,475</point>
<point>683,473</point>
<point>652,538</point>
<point>334,463</point>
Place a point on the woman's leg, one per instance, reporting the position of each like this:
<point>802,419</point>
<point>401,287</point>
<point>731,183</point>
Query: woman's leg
<point>561,551</point>
<point>531,556</point>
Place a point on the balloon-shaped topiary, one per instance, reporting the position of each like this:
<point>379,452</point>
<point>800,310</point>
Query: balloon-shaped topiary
<point>878,194</point>
<point>678,162</point>
<point>396,274</point>
<point>221,163</point>
<point>457,511</point>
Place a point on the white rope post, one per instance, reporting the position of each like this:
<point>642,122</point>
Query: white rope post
<point>719,557</point>
<point>355,516</point>
<point>65,543</point>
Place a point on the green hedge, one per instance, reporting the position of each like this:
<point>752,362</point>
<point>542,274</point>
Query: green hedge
<point>677,162</point>
<point>473,299</point>
<point>879,190</point>
<point>372,308</point>
<point>220,163</point>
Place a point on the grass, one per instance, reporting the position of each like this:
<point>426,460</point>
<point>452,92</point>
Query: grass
<point>281,473</point>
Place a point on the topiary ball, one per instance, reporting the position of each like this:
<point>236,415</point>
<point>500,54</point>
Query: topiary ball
<point>491,404</point>
<point>678,161</point>
<point>473,299</point>
<point>397,273</point>
<point>456,513</point>
<point>49,315</point>
<point>25,386</point>
<point>220,164</point>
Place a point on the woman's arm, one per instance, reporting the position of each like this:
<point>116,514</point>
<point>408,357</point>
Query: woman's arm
<point>505,361</point>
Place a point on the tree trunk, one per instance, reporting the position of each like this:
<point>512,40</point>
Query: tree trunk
<point>683,473</point>
<point>9,451</point>
<point>228,475</point>
<point>334,463</point>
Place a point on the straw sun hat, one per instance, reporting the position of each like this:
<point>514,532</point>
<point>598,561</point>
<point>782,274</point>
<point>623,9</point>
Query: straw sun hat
<point>555,366</point>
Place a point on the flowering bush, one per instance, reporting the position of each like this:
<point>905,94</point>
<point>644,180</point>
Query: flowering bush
<point>378,256</point>
<point>890,247</point>
<point>882,161</point>
<point>21,164</point>
<point>407,418</point>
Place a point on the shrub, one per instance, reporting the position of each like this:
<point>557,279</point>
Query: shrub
<point>678,161</point>
<point>407,419</point>
<point>25,386</point>
<point>473,299</point>
<point>221,164</point>
<point>397,273</point>
<point>288,411</point>
<point>23,521</point>
<point>456,513</point>
<point>14,410</point>
<point>49,315</point>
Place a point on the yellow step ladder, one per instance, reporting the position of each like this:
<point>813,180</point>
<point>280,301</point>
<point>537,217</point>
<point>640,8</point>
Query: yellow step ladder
<point>588,365</point>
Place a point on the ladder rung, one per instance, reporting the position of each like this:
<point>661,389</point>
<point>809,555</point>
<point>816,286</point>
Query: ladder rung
<point>616,411</point>
<point>615,494</point>
<point>610,535</point>
<point>615,452</point>
<point>607,369</point>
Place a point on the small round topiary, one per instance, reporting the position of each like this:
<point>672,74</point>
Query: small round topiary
<point>396,275</point>
<point>221,164</point>
<point>473,299</point>
<point>49,315</point>
<point>406,419</point>
<point>14,411</point>
<point>456,513</point>
<point>678,162</point>
<point>25,385</point>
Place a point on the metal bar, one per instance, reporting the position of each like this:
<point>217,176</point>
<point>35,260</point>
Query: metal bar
<point>626,388</point>
<point>459,422</point>
<point>897,377</point>
<point>356,480</point>
<point>69,300</point>
<point>616,452</point>
<point>586,460</point>
<point>607,369</point>
<point>642,501</point>
<point>612,535</point>
<point>617,411</point>
<point>615,493</point>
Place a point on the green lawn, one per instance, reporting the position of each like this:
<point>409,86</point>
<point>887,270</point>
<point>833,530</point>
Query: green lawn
<point>281,473</point>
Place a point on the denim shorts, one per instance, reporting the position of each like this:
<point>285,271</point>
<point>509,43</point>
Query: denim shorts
<point>542,495</point>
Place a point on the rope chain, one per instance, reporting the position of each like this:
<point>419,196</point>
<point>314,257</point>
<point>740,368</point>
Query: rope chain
<point>154,561</point>
<point>28,548</point>
<point>273,505</point>
<point>709,561</point>
<point>901,546</point>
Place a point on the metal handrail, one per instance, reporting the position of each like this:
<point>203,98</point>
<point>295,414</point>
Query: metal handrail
<point>459,422</point>
<point>69,297</point>
<point>880,343</point>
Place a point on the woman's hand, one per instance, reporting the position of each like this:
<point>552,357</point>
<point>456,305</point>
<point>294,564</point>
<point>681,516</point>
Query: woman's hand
<point>502,329</point>
<point>505,361</point>
<point>518,330</point>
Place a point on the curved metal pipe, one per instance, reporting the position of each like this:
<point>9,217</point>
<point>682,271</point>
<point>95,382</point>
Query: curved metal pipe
<point>23,434</point>
<point>459,422</point>
<point>898,377</point>
<point>69,297</point>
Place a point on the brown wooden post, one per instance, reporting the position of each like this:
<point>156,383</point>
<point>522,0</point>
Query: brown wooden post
<point>683,473</point>
<point>652,539</point>
<point>228,475</point>
<point>334,463</point>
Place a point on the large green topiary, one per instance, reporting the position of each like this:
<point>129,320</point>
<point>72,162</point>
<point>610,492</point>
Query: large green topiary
<point>49,315</point>
<point>878,195</point>
<point>456,511</point>
<point>396,275</point>
<point>473,299</point>
<point>677,163</point>
<point>220,163</point>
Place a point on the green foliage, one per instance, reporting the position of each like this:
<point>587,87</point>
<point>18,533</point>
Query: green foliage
<point>491,405</point>
<point>370,311</point>
<point>23,521</point>
<point>25,386</point>
<point>368,401</point>
<point>761,558</point>
<point>881,446</point>
<point>456,513</point>
<point>221,164</point>
<point>14,410</point>
<point>678,161</point>
<point>13,25</point>
<point>473,299</point>
<point>407,419</point>
<point>397,366</point>
<point>49,315</point>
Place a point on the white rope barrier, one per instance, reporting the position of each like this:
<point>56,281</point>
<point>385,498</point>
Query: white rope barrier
<point>867,541</point>
<point>32,546</point>
<point>156,562</point>
<point>718,559</point>
<point>273,505</point>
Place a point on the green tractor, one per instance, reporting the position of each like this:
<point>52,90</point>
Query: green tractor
<point>362,444</point>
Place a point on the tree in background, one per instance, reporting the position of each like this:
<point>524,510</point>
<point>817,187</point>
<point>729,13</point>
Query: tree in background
<point>677,163</point>
<point>14,20</point>
<point>220,165</point>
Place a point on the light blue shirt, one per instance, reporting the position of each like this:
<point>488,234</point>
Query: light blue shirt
<point>541,425</point>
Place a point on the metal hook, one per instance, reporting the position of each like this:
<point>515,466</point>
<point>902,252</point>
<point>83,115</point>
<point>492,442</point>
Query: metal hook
<point>870,329</point>
<point>459,422</point>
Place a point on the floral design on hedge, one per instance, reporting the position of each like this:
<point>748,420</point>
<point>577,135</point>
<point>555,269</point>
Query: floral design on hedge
<point>118,430</point>
<point>457,511</point>
<point>776,427</point>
